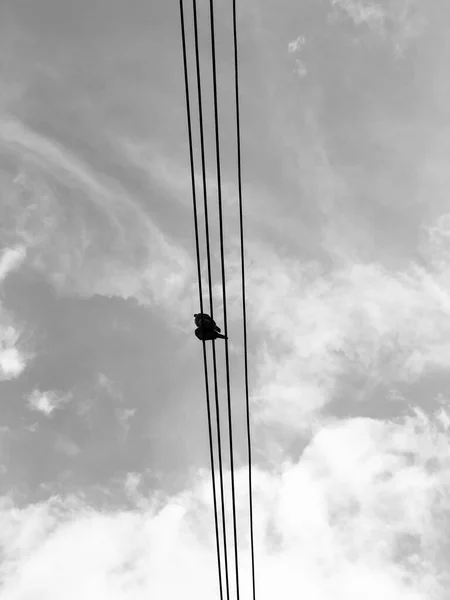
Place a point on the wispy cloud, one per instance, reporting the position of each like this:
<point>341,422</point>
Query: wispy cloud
<point>46,402</point>
<point>124,416</point>
<point>362,11</point>
<point>105,243</point>
<point>106,384</point>
<point>397,22</point>
<point>173,175</point>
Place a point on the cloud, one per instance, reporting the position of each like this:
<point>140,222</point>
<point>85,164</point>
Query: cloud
<point>398,22</point>
<point>296,44</point>
<point>310,328</point>
<point>362,11</point>
<point>11,363</point>
<point>47,402</point>
<point>103,242</point>
<point>13,358</point>
<point>123,416</point>
<point>106,384</point>
<point>362,512</point>
<point>66,445</point>
<point>11,260</point>
<point>173,176</point>
<point>132,482</point>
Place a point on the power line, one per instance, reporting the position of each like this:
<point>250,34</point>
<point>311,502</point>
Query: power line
<point>244,314</point>
<point>208,255</point>
<point>219,189</point>
<point>208,404</point>
<point>218,167</point>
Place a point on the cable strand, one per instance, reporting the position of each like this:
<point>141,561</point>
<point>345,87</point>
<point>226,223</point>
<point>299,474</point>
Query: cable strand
<point>219,187</point>
<point>208,403</point>
<point>244,313</point>
<point>208,254</point>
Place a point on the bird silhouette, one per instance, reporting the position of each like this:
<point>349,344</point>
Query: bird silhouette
<point>207,328</point>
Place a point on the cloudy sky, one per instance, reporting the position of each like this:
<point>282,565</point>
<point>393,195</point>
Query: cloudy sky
<point>105,487</point>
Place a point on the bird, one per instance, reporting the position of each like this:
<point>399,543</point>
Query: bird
<point>207,328</point>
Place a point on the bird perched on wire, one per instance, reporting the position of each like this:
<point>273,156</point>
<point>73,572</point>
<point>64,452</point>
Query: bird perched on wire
<point>207,328</point>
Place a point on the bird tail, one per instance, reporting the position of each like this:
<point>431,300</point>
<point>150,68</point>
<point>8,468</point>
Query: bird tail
<point>222,337</point>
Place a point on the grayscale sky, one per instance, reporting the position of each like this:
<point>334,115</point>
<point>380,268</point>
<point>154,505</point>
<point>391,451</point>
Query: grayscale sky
<point>105,489</point>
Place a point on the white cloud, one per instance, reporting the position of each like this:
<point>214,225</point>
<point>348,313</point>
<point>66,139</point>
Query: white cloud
<point>46,402</point>
<point>10,260</point>
<point>132,482</point>
<point>12,359</point>
<point>364,320</point>
<point>296,44</point>
<point>11,363</point>
<point>362,513</point>
<point>132,486</point>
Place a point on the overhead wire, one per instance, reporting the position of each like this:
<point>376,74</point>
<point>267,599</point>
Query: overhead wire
<point>208,403</point>
<point>244,313</point>
<point>222,255</point>
<point>208,256</point>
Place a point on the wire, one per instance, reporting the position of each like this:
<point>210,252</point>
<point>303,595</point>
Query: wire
<point>219,189</point>
<point>217,145</point>
<point>208,404</point>
<point>208,255</point>
<point>241,220</point>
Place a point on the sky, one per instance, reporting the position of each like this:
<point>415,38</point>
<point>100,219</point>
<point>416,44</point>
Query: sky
<point>105,487</point>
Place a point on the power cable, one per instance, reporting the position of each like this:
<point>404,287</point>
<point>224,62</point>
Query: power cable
<point>218,167</point>
<point>244,314</point>
<point>208,255</point>
<point>219,191</point>
<point>208,404</point>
